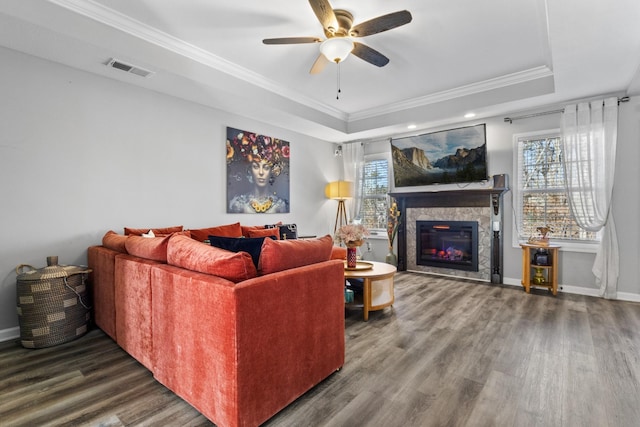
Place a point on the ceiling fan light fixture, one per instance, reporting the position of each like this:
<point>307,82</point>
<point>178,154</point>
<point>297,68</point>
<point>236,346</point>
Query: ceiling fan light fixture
<point>336,49</point>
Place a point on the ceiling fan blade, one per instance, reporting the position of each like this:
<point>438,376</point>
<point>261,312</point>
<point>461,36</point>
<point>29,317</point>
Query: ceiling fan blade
<point>370,55</point>
<point>381,23</point>
<point>292,40</point>
<point>325,14</point>
<point>319,64</point>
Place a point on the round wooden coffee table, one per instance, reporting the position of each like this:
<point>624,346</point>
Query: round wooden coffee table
<point>377,286</point>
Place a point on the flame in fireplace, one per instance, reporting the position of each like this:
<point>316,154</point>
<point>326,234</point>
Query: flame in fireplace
<point>441,227</point>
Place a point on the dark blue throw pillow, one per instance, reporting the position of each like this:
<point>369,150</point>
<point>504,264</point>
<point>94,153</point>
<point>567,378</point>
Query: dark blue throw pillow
<point>252,245</point>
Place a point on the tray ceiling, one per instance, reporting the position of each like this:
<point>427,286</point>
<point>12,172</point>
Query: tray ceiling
<point>491,57</point>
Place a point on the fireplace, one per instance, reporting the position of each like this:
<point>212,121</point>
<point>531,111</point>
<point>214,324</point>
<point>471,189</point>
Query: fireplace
<point>447,244</point>
<point>480,205</point>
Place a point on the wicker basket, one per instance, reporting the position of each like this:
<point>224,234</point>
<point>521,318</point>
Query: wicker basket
<point>52,303</point>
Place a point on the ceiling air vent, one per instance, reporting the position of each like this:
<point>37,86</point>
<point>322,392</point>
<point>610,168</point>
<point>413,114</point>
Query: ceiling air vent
<point>114,63</point>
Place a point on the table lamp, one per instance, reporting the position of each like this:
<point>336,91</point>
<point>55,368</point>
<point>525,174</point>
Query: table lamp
<point>340,191</point>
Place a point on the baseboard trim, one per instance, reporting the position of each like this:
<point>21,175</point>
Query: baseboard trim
<point>590,292</point>
<point>626,296</point>
<point>579,290</point>
<point>9,334</point>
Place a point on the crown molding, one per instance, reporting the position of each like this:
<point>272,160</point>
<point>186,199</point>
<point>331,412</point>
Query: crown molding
<point>459,92</point>
<point>140,30</point>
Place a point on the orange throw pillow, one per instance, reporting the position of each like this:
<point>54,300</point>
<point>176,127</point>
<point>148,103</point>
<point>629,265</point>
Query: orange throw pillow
<point>187,253</point>
<point>153,248</point>
<point>279,255</point>
<point>265,232</point>
<point>247,228</point>
<point>114,241</point>
<point>229,230</point>
<point>157,231</point>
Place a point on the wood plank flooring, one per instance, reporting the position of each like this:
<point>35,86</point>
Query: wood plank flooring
<point>449,353</point>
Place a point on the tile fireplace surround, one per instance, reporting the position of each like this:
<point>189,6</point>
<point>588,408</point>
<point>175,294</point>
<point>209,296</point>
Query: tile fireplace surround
<point>481,205</point>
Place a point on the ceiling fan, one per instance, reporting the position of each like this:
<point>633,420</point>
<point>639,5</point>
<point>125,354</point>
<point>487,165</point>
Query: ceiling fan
<point>340,32</point>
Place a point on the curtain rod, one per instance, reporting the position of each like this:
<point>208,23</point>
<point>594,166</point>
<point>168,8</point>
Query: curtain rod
<point>544,113</point>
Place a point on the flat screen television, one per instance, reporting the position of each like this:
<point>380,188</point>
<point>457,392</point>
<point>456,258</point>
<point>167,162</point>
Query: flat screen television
<point>445,157</point>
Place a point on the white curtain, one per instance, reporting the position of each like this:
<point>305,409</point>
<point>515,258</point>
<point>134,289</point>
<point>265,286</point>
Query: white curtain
<point>589,134</point>
<point>353,160</point>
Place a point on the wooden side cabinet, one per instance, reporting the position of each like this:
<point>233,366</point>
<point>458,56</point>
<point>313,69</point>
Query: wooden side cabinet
<point>540,270</point>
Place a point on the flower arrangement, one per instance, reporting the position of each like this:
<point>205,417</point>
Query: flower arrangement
<point>352,234</point>
<point>393,220</point>
<point>252,147</point>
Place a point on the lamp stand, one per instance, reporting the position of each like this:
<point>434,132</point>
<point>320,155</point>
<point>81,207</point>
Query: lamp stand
<point>341,215</point>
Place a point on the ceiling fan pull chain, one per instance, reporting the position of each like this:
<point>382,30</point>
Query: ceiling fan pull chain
<point>338,94</point>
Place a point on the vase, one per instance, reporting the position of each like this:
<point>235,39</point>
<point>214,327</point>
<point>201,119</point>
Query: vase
<point>391,258</point>
<point>538,278</point>
<point>354,243</point>
<point>352,256</point>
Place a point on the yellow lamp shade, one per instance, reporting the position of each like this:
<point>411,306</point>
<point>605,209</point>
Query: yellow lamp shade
<point>338,190</point>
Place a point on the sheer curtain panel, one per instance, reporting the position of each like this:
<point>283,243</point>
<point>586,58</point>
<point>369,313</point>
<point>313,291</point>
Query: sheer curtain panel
<point>589,134</point>
<point>353,160</point>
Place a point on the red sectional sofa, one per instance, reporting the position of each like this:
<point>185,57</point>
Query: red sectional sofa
<point>237,341</point>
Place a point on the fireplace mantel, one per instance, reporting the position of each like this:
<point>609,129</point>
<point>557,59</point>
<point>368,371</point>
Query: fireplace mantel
<point>477,197</point>
<point>452,198</point>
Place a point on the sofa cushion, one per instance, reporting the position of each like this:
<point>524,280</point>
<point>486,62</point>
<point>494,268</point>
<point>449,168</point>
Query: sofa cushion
<point>153,248</point>
<point>229,230</point>
<point>185,252</point>
<point>114,241</point>
<point>265,232</point>
<point>156,231</point>
<point>252,246</point>
<point>279,255</point>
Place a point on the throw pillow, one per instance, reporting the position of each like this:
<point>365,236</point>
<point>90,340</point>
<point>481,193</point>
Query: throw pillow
<point>157,231</point>
<point>153,248</point>
<point>287,231</point>
<point>247,228</point>
<point>114,241</point>
<point>252,246</point>
<point>229,230</point>
<point>265,232</point>
<point>279,255</point>
<point>185,252</point>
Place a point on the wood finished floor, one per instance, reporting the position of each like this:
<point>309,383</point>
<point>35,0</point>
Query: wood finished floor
<point>449,353</point>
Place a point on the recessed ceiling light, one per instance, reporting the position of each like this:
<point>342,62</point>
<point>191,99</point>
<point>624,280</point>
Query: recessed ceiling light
<point>469,115</point>
<point>412,127</point>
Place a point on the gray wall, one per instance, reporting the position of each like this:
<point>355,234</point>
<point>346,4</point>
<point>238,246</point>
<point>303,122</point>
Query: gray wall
<point>82,154</point>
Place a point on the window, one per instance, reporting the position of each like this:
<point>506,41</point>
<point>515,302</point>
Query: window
<point>541,199</point>
<point>375,201</point>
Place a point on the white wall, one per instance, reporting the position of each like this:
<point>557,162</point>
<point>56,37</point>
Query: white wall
<point>82,154</point>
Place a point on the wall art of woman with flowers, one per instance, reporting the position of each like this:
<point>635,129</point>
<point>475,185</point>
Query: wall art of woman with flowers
<point>257,173</point>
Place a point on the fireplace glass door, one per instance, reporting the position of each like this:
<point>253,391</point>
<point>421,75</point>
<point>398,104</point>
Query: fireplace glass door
<point>447,244</point>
